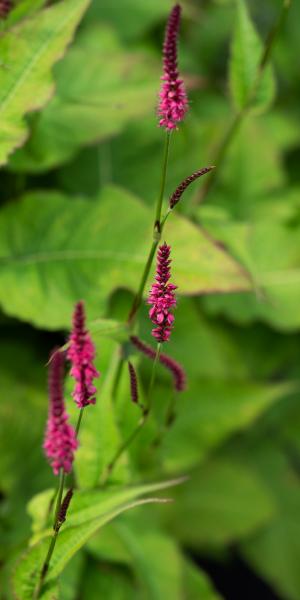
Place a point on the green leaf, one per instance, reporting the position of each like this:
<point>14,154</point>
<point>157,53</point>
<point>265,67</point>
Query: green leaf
<point>88,512</point>
<point>74,249</point>
<point>134,541</point>
<point>24,8</point>
<point>104,580</point>
<point>221,503</point>
<point>270,251</point>
<point>209,412</point>
<point>197,584</point>
<point>274,551</point>
<point>29,51</point>
<point>100,86</point>
<point>131,18</point>
<point>246,53</point>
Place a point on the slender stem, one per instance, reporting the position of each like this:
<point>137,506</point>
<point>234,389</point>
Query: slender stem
<point>153,375</point>
<point>163,178</point>
<point>157,230</point>
<point>59,495</point>
<point>139,296</point>
<point>53,539</point>
<point>240,116</point>
<point>79,421</point>
<point>124,447</point>
<point>219,157</point>
<point>140,424</point>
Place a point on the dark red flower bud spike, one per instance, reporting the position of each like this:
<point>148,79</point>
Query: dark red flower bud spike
<point>178,374</point>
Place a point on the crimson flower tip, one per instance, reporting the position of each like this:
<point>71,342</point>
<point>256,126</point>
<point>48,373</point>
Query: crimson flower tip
<point>173,103</point>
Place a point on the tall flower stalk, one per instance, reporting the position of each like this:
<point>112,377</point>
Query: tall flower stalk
<point>61,440</point>
<point>59,445</point>
<point>172,108</point>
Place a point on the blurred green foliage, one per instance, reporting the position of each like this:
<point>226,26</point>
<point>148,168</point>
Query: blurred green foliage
<point>81,155</point>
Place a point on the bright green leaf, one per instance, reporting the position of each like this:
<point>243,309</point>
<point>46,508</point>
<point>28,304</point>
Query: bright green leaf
<point>100,86</point>
<point>28,52</point>
<point>246,53</point>
<point>74,249</point>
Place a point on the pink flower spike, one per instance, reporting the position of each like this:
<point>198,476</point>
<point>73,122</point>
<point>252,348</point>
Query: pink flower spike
<point>81,354</point>
<point>162,297</point>
<point>173,103</point>
<point>60,438</point>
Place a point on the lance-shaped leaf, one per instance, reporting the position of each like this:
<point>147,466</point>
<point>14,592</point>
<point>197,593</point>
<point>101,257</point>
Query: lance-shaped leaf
<point>86,515</point>
<point>28,53</point>
<point>248,89</point>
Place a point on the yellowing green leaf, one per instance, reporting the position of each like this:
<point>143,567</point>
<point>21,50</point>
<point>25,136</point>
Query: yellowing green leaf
<point>28,53</point>
<point>55,250</point>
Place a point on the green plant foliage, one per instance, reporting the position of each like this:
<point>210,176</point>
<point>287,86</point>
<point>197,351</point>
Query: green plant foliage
<point>28,53</point>
<point>84,522</point>
<point>95,99</point>
<point>247,89</point>
<point>230,503</point>
<point>81,155</point>
<point>46,252</point>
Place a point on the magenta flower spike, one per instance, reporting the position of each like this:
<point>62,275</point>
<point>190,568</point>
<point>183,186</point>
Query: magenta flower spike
<point>162,296</point>
<point>81,354</point>
<point>60,438</point>
<point>173,102</point>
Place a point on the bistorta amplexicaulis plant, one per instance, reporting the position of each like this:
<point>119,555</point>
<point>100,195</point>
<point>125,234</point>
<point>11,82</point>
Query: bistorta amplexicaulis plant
<point>61,439</point>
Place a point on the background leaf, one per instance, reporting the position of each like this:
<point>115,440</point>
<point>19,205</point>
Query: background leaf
<point>29,52</point>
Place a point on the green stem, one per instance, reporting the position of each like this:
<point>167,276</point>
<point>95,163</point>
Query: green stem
<point>240,116</point>
<point>163,179</point>
<point>53,539</point>
<point>153,375</point>
<point>140,425</point>
<point>79,421</point>
<point>124,447</point>
<point>157,230</point>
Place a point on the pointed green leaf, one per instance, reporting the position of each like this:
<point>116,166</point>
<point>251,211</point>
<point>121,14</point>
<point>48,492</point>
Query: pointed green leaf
<point>246,53</point>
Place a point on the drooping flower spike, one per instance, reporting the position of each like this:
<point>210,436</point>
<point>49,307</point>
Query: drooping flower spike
<point>162,296</point>
<point>60,438</point>
<point>133,383</point>
<point>174,199</point>
<point>173,102</point>
<point>81,354</point>
<point>179,377</point>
